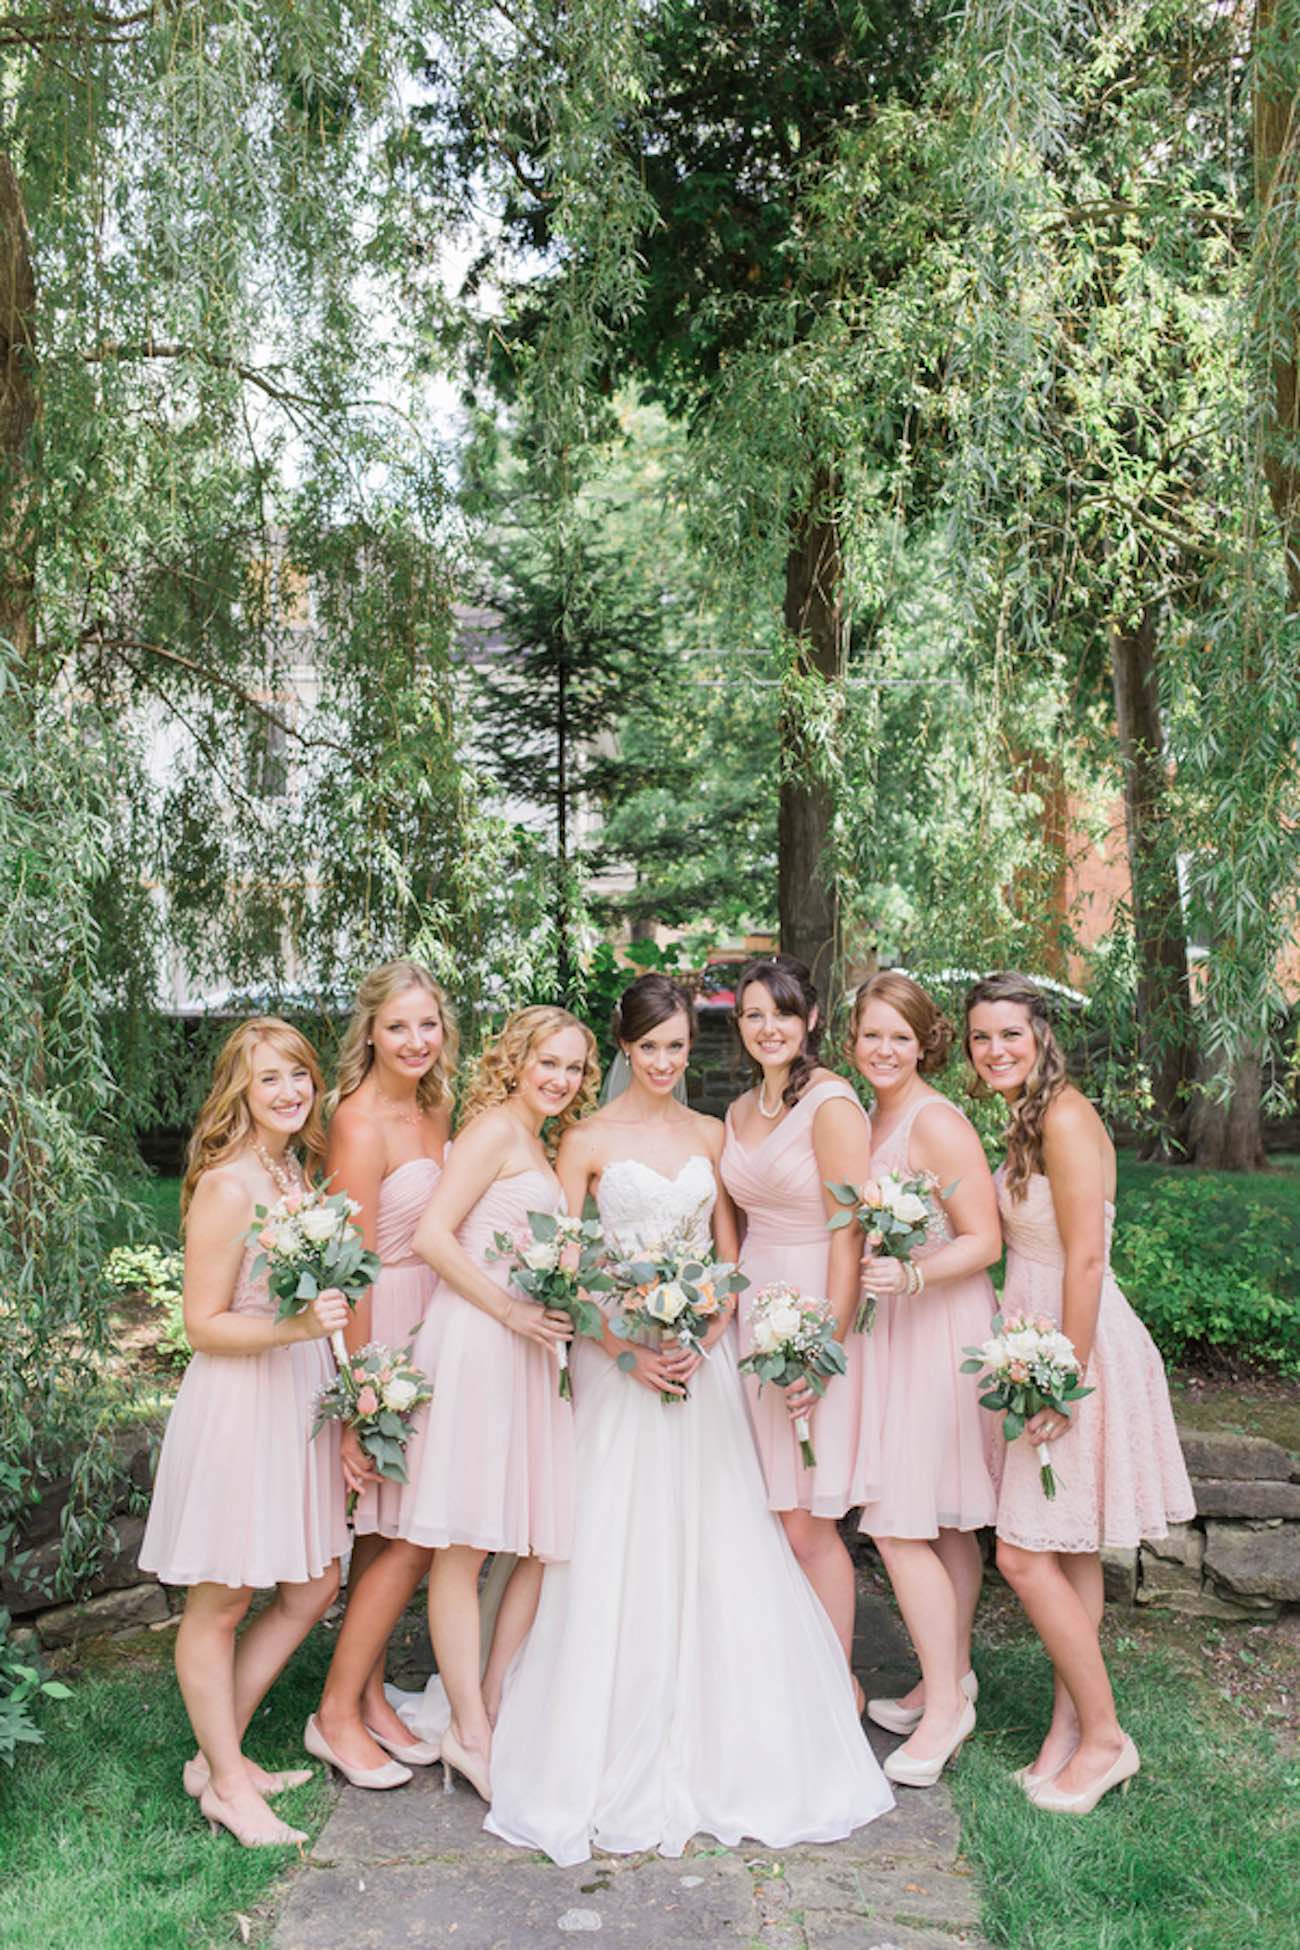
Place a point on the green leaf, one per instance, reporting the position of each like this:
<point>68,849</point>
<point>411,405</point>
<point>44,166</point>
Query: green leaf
<point>627,1361</point>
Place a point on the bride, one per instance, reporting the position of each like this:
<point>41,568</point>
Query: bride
<point>680,1676</point>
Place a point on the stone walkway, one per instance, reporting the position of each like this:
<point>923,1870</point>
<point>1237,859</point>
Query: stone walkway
<point>413,1870</point>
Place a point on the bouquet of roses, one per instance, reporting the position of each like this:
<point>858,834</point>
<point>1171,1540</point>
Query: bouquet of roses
<point>793,1339</point>
<point>308,1244</point>
<point>672,1290</point>
<point>556,1260</point>
<point>1031,1365</point>
<point>376,1392</point>
<point>896,1214</point>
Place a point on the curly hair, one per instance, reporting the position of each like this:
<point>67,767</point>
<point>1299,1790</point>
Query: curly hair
<point>1044,1084</point>
<point>789,982</point>
<point>647,1003</point>
<point>923,1016</point>
<point>225,1123</point>
<point>357,1056</point>
<point>499,1067</point>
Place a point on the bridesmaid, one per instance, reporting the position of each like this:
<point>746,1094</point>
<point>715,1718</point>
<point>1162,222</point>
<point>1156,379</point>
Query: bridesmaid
<point>799,1127</point>
<point>936,1454</point>
<point>491,1464</point>
<point>1121,1474</point>
<point>389,1129</point>
<point>244,1497</point>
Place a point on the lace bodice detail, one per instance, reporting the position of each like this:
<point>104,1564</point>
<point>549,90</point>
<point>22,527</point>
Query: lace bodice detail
<point>1029,1223</point>
<point>640,1206</point>
<point>252,1296</point>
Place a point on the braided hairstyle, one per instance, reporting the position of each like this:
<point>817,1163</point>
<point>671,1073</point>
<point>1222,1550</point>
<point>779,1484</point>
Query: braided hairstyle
<point>789,982</point>
<point>1044,1084</point>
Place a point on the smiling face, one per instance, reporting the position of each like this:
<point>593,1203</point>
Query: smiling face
<point>885,1050</point>
<point>658,1058</point>
<point>552,1073</point>
<point>773,1036</point>
<point>407,1033</point>
<point>279,1093</point>
<point>1003,1049</point>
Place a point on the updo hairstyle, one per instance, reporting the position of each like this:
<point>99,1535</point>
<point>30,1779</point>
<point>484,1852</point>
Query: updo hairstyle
<point>1044,1084</point>
<point>647,1003</point>
<point>789,982</point>
<point>924,1018</point>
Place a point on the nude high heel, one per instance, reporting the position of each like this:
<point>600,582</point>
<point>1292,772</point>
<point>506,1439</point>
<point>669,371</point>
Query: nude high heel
<point>390,1775</point>
<point>1025,1777</point>
<point>897,1718</point>
<point>219,1813</point>
<point>1118,1774</point>
<point>906,1772</point>
<point>196,1774</point>
<point>458,1759</point>
<point>416,1753</point>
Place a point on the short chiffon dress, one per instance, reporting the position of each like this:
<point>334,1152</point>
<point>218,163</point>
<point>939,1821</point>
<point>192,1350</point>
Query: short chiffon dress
<point>399,1301</point>
<point>245,1495</point>
<point>935,1455</point>
<point>490,1463</point>
<point>1119,1467</point>
<point>778,1186</point>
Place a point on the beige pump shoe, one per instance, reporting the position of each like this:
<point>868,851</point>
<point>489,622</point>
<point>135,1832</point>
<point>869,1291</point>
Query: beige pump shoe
<point>897,1718</point>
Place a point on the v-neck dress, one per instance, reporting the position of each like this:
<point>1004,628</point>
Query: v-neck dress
<point>778,1186</point>
<point>491,1463</point>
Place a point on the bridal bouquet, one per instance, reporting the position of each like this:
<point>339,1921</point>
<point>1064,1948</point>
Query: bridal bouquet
<point>376,1392</point>
<point>1031,1365</point>
<point>793,1339</point>
<point>674,1290</point>
<point>308,1244</point>
<point>556,1260</point>
<point>896,1214</point>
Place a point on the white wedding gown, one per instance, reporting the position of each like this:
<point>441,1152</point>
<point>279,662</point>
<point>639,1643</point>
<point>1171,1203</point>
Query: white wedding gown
<point>680,1676</point>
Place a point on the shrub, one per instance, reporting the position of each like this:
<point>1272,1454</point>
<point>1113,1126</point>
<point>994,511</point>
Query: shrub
<point>1208,1266</point>
<point>22,1682</point>
<point>158,1275</point>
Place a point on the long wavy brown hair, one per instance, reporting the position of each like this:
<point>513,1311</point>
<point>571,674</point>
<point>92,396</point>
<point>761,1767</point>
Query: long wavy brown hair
<point>225,1123</point>
<point>499,1068</point>
<point>1044,1084</point>
<point>357,1056</point>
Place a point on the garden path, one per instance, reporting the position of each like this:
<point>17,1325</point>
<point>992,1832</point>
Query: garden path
<point>414,1871</point>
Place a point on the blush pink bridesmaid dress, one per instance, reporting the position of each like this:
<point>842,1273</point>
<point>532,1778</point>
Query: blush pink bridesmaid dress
<point>399,1301</point>
<point>491,1462</point>
<point>778,1186</point>
<point>1119,1468</point>
<point>245,1494</point>
<point>936,1454</point>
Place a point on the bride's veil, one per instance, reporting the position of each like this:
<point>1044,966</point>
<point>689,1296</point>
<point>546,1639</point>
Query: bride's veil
<point>619,1075</point>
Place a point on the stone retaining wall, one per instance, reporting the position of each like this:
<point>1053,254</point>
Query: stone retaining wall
<point>1239,1559</point>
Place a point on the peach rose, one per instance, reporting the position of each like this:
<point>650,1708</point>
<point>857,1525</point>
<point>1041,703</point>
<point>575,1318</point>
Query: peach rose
<point>570,1256</point>
<point>367,1402</point>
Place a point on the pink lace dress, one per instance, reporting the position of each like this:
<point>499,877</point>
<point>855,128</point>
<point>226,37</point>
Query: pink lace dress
<point>399,1301</point>
<point>1120,1470</point>
<point>491,1462</point>
<point>778,1186</point>
<point>245,1494</point>
<point>935,1455</point>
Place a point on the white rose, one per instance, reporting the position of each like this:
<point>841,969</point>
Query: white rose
<point>1022,1346</point>
<point>765,1341</point>
<point>318,1224</point>
<point>666,1302</point>
<point>890,1190</point>
<point>399,1395</point>
<point>541,1256</point>
<point>784,1323</point>
<point>911,1209</point>
<point>1060,1349</point>
<point>994,1353</point>
<point>288,1239</point>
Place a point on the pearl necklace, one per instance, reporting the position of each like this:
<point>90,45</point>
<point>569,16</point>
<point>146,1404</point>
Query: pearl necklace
<point>763,1111</point>
<point>284,1180</point>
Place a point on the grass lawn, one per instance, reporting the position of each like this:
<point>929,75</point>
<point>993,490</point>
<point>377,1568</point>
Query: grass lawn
<point>99,1847</point>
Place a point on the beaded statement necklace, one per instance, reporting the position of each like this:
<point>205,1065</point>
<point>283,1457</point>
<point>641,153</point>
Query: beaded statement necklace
<point>283,1179</point>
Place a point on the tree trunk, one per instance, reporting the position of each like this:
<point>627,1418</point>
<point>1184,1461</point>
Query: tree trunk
<point>1163,1001</point>
<point>18,414</point>
<point>1276,143</point>
<point>808,899</point>
<point>1228,1136</point>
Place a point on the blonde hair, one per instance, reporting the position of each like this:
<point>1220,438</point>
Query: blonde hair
<point>1044,1084</point>
<point>924,1017</point>
<point>501,1064</point>
<point>225,1123</point>
<point>357,1055</point>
